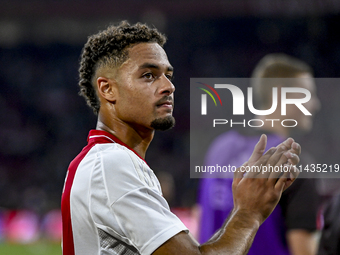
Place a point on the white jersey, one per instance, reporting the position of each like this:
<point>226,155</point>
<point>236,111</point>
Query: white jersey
<point>112,202</point>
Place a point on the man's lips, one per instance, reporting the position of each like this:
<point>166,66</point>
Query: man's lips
<point>167,104</point>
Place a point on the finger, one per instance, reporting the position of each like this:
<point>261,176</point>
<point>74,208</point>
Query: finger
<point>281,183</point>
<point>277,173</point>
<point>256,168</point>
<point>296,151</point>
<point>275,162</point>
<point>287,143</point>
<point>238,175</point>
<point>292,158</point>
<point>296,148</point>
<point>280,157</point>
<point>258,150</point>
<point>293,172</point>
<point>290,176</point>
<point>279,160</point>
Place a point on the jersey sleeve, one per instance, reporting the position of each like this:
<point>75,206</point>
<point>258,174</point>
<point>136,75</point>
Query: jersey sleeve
<point>133,209</point>
<point>146,221</point>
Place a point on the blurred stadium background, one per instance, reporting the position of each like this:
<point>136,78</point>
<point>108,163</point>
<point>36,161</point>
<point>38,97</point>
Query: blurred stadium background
<point>44,123</point>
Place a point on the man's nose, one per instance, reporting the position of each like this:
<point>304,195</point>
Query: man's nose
<point>166,86</point>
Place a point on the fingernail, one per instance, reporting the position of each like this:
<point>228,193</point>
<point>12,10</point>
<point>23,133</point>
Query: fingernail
<point>295,146</point>
<point>272,150</point>
<point>288,154</point>
<point>290,140</point>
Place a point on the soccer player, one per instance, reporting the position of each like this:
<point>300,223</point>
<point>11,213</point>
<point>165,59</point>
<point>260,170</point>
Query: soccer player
<point>290,228</point>
<point>112,202</point>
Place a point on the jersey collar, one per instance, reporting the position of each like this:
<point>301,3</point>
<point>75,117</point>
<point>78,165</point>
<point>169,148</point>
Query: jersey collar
<point>100,136</point>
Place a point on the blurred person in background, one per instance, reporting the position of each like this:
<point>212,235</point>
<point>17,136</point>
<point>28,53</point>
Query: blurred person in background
<point>329,188</point>
<point>330,237</point>
<point>291,227</point>
<point>112,202</point>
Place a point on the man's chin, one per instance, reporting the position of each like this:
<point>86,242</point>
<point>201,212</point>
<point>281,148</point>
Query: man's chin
<point>164,123</point>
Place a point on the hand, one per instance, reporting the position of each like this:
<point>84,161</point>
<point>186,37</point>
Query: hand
<point>254,200</point>
<point>257,193</point>
<point>292,154</point>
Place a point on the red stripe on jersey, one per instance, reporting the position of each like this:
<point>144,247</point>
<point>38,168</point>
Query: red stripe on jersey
<point>95,137</point>
<point>101,136</point>
<point>68,245</point>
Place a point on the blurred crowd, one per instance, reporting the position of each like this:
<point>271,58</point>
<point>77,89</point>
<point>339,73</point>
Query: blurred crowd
<point>44,123</point>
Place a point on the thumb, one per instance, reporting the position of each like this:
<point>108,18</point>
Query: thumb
<point>258,150</point>
<point>238,175</point>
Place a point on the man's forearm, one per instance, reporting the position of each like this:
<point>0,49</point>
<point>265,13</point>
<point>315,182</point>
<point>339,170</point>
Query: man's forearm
<point>235,237</point>
<point>220,231</point>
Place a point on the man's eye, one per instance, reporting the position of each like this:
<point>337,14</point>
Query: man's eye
<point>148,76</point>
<point>170,77</point>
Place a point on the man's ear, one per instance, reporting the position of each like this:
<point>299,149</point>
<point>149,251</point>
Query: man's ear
<point>107,89</point>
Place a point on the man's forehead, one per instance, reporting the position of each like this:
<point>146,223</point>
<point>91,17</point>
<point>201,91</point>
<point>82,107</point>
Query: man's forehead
<point>148,52</point>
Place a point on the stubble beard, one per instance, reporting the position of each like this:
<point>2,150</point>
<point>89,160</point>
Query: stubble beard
<point>163,124</point>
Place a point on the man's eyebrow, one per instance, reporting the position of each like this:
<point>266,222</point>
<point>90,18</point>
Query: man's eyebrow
<point>151,65</point>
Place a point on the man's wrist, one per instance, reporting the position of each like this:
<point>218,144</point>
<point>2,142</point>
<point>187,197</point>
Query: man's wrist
<point>247,218</point>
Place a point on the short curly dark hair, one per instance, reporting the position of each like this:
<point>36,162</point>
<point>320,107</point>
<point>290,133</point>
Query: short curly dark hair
<point>108,48</point>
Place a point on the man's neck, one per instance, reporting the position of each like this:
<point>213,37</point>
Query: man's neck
<point>138,140</point>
